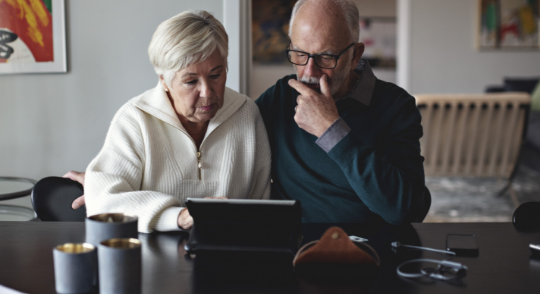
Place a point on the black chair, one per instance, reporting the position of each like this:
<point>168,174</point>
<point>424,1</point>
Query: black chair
<point>527,217</point>
<point>515,85</point>
<point>426,206</point>
<point>52,198</point>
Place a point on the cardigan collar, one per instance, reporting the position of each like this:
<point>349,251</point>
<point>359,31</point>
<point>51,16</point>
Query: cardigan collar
<point>156,103</point>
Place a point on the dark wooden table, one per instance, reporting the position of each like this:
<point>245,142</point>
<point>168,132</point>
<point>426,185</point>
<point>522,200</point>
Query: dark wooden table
<point>504,264</point>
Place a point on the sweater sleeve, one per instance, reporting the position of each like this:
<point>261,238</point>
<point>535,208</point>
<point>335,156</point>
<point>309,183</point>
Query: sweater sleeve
<point>114,177</point>
<point>389,178</point>
<point>261,189</point>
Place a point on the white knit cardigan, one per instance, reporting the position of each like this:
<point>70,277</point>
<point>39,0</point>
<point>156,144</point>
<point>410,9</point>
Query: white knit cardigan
<point>148,165</point>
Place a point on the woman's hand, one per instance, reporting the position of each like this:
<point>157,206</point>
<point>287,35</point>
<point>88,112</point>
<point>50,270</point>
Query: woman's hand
<point>185,221</point>
<point>78,177</point>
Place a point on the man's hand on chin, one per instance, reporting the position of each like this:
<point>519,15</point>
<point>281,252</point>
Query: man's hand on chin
<point>315,112</point>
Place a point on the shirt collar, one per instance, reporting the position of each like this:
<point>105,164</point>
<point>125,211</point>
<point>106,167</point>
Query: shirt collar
<point>363,89</point>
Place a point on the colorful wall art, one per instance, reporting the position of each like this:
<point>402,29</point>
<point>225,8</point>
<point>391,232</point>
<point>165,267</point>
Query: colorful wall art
<point>32,36</point>
<point>509,24</point>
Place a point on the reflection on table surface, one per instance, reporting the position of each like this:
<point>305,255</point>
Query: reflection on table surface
<point>503,266</point>
<point>165,259</point>
<point>16,213</point>
<point>13,187</point>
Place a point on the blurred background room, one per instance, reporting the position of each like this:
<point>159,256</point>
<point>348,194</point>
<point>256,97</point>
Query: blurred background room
<point>473,65</point>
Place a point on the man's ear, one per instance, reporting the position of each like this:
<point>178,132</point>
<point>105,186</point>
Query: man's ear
<point>358,52</point>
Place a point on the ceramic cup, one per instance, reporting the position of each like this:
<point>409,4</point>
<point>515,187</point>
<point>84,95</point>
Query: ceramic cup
<point>120,266</point>
<point>107,226</point>
<point>75,267</point>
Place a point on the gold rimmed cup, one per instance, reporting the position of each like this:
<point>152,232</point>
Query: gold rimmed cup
<point>122,243</point>
<point>75,247</point>
<point>120,268</point>
<point>107,226</point>
<point>113,218</point>
<point>75,267</point>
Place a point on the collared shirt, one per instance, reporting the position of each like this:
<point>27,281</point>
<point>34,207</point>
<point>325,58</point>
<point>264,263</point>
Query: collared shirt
<point>362,91</point>
<point>366,168</point>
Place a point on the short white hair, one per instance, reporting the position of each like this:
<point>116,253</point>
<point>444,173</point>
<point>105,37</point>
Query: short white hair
<point>349,10</point>
<point>185,39</point>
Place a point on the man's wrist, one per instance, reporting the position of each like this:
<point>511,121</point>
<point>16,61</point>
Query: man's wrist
<point>324,126</point>
<point>333,135</point>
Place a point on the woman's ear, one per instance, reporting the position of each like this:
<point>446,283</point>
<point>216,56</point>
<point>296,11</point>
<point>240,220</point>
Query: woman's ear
<point>163,84</point>
<point>357,54</point>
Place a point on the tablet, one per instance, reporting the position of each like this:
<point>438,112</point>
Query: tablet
<point>244,225</point>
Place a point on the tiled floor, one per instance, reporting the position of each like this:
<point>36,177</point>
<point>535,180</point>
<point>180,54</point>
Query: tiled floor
<point>476,200</point>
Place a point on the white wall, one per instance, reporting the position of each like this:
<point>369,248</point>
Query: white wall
<point>265,76</point>
<point>52,123</point>
<point>442,57</point>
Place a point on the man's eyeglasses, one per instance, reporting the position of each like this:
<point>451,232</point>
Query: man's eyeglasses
<point>328,61</point>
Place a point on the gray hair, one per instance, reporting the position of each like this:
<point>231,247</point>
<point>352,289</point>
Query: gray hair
<point>185,39</point>
<point>350,11</point>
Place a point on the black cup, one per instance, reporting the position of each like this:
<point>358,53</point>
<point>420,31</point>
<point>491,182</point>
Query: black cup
<point>75,268</point>
<point>101,227</point>
<point>120,270</point>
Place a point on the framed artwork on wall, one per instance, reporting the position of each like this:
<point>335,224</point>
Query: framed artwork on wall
<point>379,37</point>
<point>508,24</point>
<point>270,31</point>
<point>32,37</point>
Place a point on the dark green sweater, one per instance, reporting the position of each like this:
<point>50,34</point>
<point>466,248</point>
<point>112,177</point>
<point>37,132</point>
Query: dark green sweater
<point>374,174</point>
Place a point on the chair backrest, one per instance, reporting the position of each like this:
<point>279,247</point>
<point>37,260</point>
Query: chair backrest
<point>520,84</point>
<point>425,206</point>
<point>527,216</point>
<point>472,135</point>
<point>52,198</point>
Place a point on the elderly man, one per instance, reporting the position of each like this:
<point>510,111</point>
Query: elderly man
<point>343,142</point>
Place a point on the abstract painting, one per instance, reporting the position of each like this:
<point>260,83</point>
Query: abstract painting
<point>270,30</point>
<point>32,36</point>
<point>509,24</point>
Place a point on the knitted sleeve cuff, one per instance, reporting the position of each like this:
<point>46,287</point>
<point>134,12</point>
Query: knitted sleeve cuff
<point>167,220</point>
<point>333,135</point>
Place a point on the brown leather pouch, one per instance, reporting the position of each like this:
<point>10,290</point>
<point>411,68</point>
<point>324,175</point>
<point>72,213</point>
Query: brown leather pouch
<point>336,255</point>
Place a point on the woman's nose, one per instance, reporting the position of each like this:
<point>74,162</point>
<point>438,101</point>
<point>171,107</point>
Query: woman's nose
<point>205,89</point>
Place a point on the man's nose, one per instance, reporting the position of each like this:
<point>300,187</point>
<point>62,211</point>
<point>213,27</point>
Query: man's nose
<point>311,69</point>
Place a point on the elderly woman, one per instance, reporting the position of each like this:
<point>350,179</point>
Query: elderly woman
<point>190,136</point>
